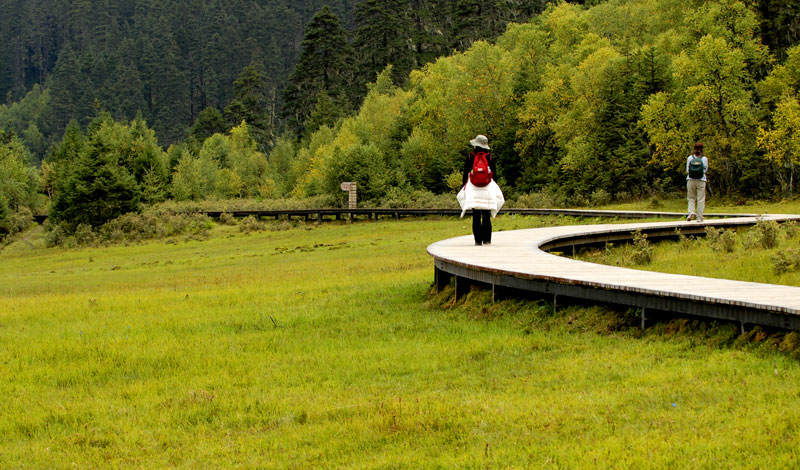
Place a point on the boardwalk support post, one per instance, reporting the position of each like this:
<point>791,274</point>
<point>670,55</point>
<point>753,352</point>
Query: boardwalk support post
<point>441,279</point>
<point>463,285</point>
<point>644,318</point>
<point>501,292</point>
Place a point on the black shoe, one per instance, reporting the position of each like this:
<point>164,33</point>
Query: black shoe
<point>487,243</point>
<point>478,243</point>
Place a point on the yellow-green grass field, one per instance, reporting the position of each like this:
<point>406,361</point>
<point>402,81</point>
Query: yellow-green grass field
<point>744,260</point>
<point>323,347</point>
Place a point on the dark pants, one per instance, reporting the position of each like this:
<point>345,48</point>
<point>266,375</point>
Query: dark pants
<point>482,226</point>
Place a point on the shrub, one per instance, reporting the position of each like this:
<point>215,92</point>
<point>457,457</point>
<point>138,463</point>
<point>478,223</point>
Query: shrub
<point>227,219</point>
<point>785,261</point>
<point>56,234</point>
<point>655,203</point>
<point>751,240</point>
<point>394,197</point>
<point>578,200</point>
<point>765,233</point>
<point>4,215</point>
<point>20,220</point>
<point>600,197</point>
<point>186,224</point>
<point>230,205</point>
<point>728,241</point>
<point>250,224</point>
<point>454,180</point>
<point>721,240</point>
<point>684,242</point>
<point>84,235</point>
<point>642,252</point>
<point>790,343</point>
<point>131,227</point>
<point>791,228</point>
<point>541,199</point>
<point>418,199</point>
<point>281,226</point>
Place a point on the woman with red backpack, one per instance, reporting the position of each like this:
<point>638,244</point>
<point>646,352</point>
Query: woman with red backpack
<point>480,192</point>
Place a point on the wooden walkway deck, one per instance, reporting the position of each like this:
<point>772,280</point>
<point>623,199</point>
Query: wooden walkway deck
<point>518,261</point>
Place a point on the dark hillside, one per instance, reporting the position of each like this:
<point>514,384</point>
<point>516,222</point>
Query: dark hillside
<point>171,59</point>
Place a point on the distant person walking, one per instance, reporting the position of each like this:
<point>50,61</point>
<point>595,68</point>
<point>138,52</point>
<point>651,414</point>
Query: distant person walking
<point>696,168</point>
<point>480,192</point>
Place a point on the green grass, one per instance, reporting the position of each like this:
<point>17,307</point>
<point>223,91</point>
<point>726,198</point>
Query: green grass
<point>702,257</point>
<point>322,347</point>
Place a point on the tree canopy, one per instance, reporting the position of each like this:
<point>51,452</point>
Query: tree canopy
<point>586,103</point>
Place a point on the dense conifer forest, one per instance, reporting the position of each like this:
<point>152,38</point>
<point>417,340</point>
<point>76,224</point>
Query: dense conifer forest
<point>172,59</point>
<point>110,106</point>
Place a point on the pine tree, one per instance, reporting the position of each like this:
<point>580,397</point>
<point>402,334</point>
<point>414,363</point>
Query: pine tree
<point>63,84</point>
<point>78,24</point>
<point>251,104</point>
<point>208,123</point>
<point>469,23</point>
<point>124,91</point>
<point>93,189</point>
<point>472,20</point>
<point>324,64</point>
<point>5,213</point>
<point>71,145</point>
<point>383,36</point>
<point>780,24</point>
<point>428,31</point>
<point>94,192</point>
<point>325,113</point>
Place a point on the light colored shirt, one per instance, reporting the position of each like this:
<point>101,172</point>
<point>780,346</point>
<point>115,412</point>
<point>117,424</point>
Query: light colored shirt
<point>705,167</point>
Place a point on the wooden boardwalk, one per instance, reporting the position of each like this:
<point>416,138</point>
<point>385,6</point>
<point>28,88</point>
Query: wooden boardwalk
<point>321,214</point>
<point>518,261</point>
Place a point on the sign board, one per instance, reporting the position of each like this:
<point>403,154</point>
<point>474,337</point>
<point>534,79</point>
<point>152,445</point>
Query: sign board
<point>350,186</point>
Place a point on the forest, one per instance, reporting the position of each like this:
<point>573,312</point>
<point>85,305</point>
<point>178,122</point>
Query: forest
<point>116,105</point>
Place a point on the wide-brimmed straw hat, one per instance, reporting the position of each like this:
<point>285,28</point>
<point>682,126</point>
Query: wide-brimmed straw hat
<point>480,141</point>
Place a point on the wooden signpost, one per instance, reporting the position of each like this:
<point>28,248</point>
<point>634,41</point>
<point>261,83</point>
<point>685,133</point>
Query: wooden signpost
<point>351,188</point>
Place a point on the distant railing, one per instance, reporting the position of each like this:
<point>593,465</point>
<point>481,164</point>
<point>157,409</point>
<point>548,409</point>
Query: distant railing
<point>319,215</point>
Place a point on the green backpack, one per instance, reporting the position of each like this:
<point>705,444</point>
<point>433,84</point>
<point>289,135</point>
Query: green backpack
<point>696,168</point>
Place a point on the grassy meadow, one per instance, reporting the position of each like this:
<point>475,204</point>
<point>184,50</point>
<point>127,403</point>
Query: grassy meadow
<point>737,254</point>
<point>323,347</point>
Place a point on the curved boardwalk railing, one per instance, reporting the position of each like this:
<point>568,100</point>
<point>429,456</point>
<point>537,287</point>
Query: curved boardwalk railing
<point>518,261</point>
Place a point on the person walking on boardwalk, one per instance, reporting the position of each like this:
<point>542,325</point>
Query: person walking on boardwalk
<point>696,168</point>
<point>480,192</point>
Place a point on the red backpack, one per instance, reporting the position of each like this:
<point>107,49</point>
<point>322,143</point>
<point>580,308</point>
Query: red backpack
<point>480,175</point>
